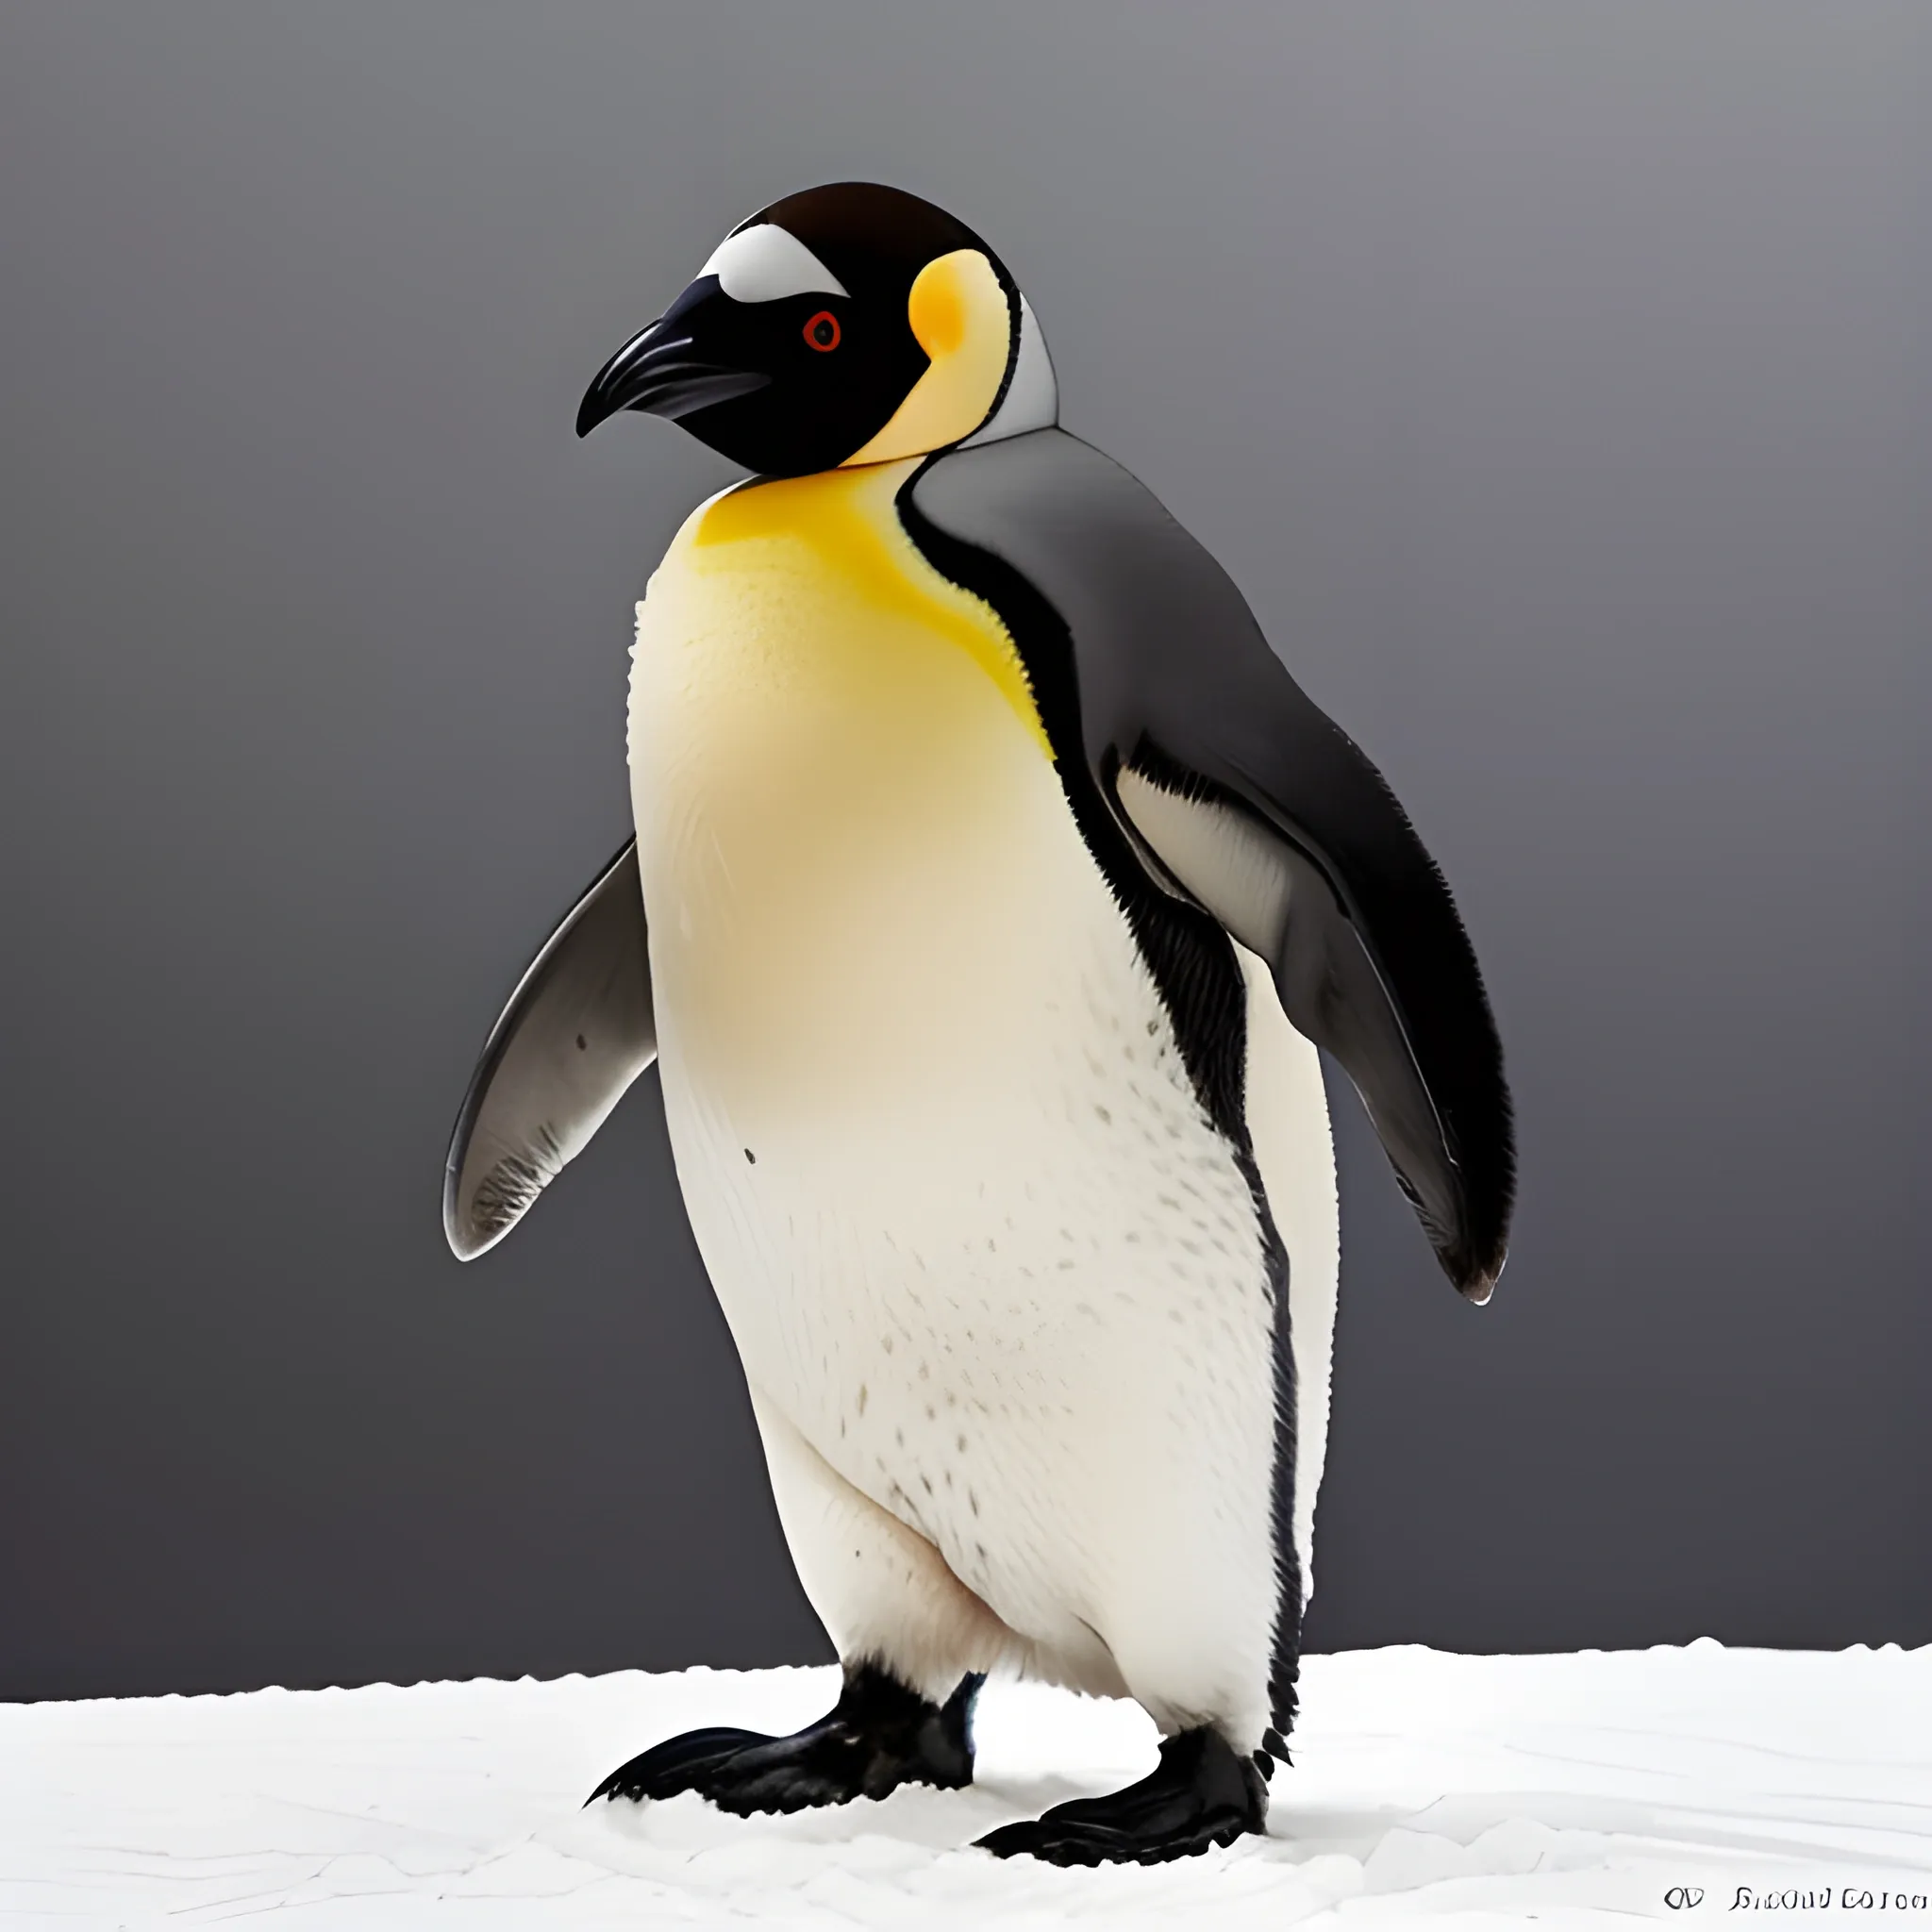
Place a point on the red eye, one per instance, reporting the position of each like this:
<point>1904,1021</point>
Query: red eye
<point>822,331</point>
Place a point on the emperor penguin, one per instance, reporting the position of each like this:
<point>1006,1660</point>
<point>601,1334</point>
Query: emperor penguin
<point>993,893</point>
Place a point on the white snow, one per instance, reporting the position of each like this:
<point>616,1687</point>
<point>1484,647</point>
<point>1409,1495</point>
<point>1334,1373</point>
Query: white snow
<point>1573,1790</point>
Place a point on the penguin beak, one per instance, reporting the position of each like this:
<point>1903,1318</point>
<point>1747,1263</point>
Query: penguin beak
<point>659,372</point>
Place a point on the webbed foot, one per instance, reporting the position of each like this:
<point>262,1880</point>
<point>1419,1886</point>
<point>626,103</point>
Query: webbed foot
<point>1204,1793</point>
<point>878,1736</point>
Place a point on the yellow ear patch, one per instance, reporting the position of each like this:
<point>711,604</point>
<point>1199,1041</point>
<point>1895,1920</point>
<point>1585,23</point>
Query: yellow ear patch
<point>939,305</point>
<point>958,313</point>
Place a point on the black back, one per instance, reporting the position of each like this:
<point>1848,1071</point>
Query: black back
<point>1146,659</point>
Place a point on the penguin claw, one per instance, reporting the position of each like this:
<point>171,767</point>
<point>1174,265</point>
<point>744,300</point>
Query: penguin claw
<point>878,1736</point>
<point>671,1766</point>
<point>1203,1794</point>
<point>1095,1844</point>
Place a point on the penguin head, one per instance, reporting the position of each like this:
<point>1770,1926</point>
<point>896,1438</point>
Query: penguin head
<point>846,324</point>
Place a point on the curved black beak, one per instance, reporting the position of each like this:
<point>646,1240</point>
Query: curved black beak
<point>657,371</point>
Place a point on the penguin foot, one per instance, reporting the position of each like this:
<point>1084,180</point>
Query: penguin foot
<point>878,1736</point>
<point>1204,1793</point>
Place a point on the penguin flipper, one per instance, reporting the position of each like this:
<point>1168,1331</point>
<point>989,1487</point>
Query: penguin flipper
<point>1147,664</point>
<point>578,1029</point>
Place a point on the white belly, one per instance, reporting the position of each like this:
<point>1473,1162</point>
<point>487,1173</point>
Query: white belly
<point>973,1234</point>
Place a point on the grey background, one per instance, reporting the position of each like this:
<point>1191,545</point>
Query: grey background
<point>1553,380</point>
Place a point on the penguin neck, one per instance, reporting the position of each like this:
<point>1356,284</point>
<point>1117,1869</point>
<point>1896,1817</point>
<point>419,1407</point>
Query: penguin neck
<point>1032,396</point>
<point>849,519</point>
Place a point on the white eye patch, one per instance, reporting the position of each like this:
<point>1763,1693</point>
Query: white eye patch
<point>762,264</point>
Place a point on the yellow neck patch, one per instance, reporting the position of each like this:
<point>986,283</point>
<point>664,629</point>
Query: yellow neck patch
<point>849,519</point>
<point>958,313</point>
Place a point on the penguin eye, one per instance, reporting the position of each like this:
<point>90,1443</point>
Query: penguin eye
<point>822,330</point>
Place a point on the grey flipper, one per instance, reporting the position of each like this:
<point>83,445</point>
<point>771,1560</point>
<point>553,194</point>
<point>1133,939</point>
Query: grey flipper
<point>1151,671</point>
<point>576,1032</point>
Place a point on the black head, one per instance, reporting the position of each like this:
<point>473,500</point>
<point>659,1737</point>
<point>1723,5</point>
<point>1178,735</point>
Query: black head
<point>847,323</point>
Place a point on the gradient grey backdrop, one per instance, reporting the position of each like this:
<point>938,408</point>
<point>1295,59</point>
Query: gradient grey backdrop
<point>1553,379</point>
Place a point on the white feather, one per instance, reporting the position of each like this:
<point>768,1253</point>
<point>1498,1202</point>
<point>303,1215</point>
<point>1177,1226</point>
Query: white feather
<point>994,1276</point>
<point>764,263</point>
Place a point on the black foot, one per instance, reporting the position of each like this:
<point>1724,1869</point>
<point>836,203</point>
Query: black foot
<point>1203,1794</point>
<point>878,1736</point>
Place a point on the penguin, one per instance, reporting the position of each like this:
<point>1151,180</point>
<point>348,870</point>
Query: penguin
<point>994,894</point>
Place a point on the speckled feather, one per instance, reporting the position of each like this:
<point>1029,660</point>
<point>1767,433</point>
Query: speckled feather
<point>997,1280</point>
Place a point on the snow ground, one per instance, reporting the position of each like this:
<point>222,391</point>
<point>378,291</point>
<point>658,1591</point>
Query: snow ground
<point>1572,1789</point>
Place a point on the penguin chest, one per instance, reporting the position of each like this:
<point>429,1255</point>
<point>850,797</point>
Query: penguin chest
<point>848,819</point>
<point>938,1146</point>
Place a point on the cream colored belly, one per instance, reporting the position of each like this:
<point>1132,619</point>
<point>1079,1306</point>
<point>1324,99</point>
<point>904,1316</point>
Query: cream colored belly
<point>974,1235</point>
